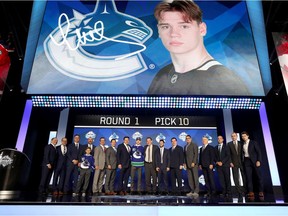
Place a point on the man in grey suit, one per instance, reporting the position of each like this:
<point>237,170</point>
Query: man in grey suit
<point>236,154</point>
<point>99,157</point>
<point>191,164</point>
<point>111,165</point>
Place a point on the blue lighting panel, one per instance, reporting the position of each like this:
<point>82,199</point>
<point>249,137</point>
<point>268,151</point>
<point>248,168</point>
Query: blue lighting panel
<point>146,102</point>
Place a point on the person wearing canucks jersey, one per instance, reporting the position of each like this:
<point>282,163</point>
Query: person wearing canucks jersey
<point>137,164</point>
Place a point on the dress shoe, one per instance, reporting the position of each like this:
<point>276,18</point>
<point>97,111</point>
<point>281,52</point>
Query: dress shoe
<point>113,193</point>
<point>55,193</point>
<point>251,194</point>
<point>107,193</point>
<point>261,194</point>
<point>60,193</point>
<point>121,193</point>
<point>189,194</point>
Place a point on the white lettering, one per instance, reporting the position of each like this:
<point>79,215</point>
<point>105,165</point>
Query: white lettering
<point>165,121</point>
<point>115,121</point>
<point>95,34</point>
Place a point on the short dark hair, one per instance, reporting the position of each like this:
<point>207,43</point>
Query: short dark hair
<point>162,140</point>
<point>173,138</point>
<point>189,9</point>
<point>245,132</point>
<point>126,137</point>
<point>149,138</point>
<point>113,140</point>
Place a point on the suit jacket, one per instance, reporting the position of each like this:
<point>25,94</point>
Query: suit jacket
<point>61,159</point>
<point>83,148</point>
<point>99,157</point>
<point>207,156</point>
<point>111,157</point>
<point>50,155</point>
<point>224,157</point>
<point>176,157</point>
<point>191,154</point>
<point>254,151</point>
<point>123,156</point>
<point>73,153</point>
<point>155,152</point>
<point>236,158</point>
<point>166,158</point>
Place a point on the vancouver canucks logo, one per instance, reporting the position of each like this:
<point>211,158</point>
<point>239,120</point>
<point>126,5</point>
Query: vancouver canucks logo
<point>136,135</point>
<point>182,136</point>
<point>209,138</point>
<point>114,136</point>
<point>90,134</point>
<point>159,137</point>
<point>103,45</point>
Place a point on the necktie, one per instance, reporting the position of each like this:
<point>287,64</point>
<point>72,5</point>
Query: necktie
<point>149,153</point>
<point>128,148</point>
<point>65,150</point>
<point>219,149</point>
<point>115,149</point>
<point>236,146</point>
<point>77,146</point>
<point>162,151</point>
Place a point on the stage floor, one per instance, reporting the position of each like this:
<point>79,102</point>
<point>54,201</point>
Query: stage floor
<point>34,204</point>
<point>148,200</point>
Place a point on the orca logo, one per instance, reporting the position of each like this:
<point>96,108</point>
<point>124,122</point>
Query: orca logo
<point>104,45</point>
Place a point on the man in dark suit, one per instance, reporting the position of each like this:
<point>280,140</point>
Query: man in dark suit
<point>163,167</point>
<point>223,160</point>
<point>48,165</point>
<point>252,164</point>
<point>150,162</point>
<point>60,171</point>
<point>73,155</point>
<point>90,144</point>
<point>206,164</point>
<point>124,164</point>
<point>236,153</point>
<point>191,164</point>
<point>176,166</point>
<point>111,165</point>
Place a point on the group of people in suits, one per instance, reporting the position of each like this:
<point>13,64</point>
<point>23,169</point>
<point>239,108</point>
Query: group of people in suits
<point>156,160</point>
<point>243,157</point>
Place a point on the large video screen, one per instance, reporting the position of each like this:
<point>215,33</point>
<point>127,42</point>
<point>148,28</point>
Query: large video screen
<point>113,47</point>
<point>281,44</point>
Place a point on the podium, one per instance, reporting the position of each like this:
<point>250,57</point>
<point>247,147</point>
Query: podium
<point>14,170</point>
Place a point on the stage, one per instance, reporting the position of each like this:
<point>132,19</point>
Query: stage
<point>34,204</point>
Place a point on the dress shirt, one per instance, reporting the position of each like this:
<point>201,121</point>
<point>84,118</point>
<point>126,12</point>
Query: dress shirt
<point>245,148</point>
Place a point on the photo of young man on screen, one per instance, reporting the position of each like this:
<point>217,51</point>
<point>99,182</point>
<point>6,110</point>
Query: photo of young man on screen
<point>193,70</point>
